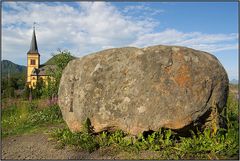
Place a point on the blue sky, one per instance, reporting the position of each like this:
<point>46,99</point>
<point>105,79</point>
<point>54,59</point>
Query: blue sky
<point>85,27</point>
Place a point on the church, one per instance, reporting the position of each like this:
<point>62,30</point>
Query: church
<point>35,71</point>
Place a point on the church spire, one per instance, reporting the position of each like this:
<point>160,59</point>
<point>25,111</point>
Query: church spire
<point>33,46</point>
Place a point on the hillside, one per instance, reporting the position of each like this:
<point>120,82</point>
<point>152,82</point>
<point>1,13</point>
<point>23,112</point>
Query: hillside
<point>53,59</point>
<point>12,68</point>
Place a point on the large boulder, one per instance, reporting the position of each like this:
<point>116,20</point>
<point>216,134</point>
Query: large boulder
<point>138,90</point>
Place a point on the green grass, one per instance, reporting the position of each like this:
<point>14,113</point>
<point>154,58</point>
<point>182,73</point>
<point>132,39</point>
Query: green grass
<point>201,145</point>
<point>78,140</point>
<point>26,117</point>
<point>164,143</point>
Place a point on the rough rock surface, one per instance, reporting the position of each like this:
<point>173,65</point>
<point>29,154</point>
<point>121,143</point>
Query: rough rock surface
<point>139,90</point>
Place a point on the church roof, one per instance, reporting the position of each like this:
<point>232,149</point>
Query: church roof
<point>43,70</point>
<point>33,46</point>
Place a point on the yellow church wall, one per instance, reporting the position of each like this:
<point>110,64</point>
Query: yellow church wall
<point>34,79</point>
<point>31,67</point>
<point>29,71</point>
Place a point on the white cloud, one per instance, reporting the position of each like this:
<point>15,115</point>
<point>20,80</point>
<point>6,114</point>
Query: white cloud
<point>91,26</point>
<point>142,9</point>
<point>196,40</point>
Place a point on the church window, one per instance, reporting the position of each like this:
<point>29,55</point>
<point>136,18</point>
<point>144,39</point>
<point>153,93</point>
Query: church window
<point>33,62</point>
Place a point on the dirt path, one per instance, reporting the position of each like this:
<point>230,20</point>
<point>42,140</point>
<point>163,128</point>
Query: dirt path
<point>33,146</point>
<point>38,146</point>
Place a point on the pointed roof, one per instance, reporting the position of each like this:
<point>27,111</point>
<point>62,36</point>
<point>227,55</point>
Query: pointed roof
<point>33,46</point>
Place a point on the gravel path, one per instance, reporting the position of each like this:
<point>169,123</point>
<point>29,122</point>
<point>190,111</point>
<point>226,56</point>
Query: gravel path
<point>38,146</point>
<point>33,146</point>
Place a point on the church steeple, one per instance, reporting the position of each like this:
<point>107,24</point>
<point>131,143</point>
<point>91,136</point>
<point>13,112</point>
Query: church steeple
<point>33,60</point>
<point>33,46</point>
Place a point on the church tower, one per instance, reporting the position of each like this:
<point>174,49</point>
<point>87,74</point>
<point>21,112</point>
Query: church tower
<point>33,60</point>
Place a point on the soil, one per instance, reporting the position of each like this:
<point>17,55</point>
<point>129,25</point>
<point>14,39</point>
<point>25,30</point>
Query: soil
<point>32,146</point>
<point>38,146</point>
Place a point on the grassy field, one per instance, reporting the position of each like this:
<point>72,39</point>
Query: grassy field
<point>24,117</point>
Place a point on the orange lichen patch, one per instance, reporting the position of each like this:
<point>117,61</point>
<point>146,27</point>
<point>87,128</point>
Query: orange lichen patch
<point>182,78</point>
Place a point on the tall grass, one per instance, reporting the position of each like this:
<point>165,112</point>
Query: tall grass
<point>26,117</point>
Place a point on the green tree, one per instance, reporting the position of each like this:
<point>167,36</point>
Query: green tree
<point>38,91</point>
<point>60,60</point>
<point>11,83</point>
<point>21,81</point>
